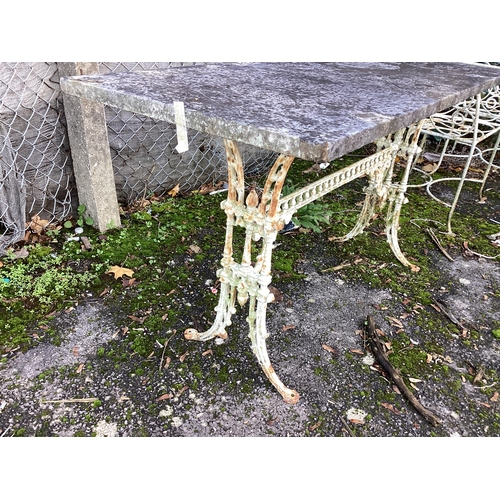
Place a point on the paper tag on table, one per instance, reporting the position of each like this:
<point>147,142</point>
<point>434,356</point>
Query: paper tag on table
<point>180,123</point>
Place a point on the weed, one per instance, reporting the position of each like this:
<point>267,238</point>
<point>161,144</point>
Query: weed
<point>312,216</point>
<point>82,219</point>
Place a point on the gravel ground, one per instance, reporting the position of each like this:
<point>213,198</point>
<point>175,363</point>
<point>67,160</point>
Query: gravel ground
<point>72,389</point>
<point>92,384</point>
<point>82,387</point>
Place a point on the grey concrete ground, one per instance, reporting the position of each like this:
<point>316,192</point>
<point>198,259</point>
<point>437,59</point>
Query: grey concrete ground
<point>316,346</point>
<point>93,384</point>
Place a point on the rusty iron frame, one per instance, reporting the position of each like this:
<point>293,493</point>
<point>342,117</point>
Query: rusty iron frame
<point>263,216</point>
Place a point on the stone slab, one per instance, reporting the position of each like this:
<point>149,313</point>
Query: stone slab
<point>315,111</point>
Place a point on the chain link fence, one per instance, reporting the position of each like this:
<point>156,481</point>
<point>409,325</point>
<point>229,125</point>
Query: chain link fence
<point>37,186</point>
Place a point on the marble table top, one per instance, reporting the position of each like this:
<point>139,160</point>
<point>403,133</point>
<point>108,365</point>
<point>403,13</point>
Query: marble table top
<point>314,111</point>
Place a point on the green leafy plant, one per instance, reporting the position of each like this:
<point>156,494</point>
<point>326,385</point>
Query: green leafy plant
<point>82,220</point>
<point>311,216</point>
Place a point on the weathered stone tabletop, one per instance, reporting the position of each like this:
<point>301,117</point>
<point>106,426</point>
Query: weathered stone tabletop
<point>315,111</point>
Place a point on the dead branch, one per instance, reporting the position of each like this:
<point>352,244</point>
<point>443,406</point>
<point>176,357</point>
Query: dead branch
<point>434,238</point>
<point>379,353</point>
<point>455,321</point>
<point>342,265</point>
<point>164,349</point>
<point>348,429</point>
<point>73,400</point>
<point>448,314</point>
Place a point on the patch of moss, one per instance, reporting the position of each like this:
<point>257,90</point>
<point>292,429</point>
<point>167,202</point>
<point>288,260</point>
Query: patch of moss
<point>410,360</point>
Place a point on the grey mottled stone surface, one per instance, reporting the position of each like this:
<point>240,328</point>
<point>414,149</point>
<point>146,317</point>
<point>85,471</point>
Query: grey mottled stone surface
<point>316,111</point>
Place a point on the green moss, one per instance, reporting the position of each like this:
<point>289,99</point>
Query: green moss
<point>155,243</point>
<point>410,360</point>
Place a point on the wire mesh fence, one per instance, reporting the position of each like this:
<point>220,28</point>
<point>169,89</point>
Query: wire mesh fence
<point>37,186</point>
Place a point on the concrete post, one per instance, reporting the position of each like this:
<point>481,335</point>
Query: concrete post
<point>88,138</point>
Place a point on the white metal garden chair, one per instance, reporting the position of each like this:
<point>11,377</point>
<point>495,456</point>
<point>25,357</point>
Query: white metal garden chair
<point>469,123</point>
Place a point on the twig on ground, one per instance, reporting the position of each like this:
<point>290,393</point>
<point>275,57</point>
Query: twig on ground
<point>448,314</point>
<point>452,318</point>
<point>430,232</point>
<point>346,426</point>
<point>165,348</point>
<point>342,265</point>
<point>5,431</point>
<point>378,351</point>
<point>412,221</point>
<point>75,400</point>
<point>483,256</point>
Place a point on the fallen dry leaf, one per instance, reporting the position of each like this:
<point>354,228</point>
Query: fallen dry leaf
<point>120,271</point>
<point>21,254</point>
<point>182,390</point>
<point>356,421</point>
<point>314,169</point>
<point>207,188</point>
<point>494,398</point>
<point>80,368</point>
<point>195,249</point>
<point>395,322</point>
<point>430,168</point>
<point>414,380</point>
<point>183,357</point>
<point>165,396</point>
<point>174,191</point>
<point>278,296</point>
<point>128,282</point>
<point>357,351</point>
<point>287,327</point>
<point>135,318</point>
<point>315,426</point>
<point>206,353</point>
<point>329,349</point>
<point>391,408</point>
<point>37,225</point>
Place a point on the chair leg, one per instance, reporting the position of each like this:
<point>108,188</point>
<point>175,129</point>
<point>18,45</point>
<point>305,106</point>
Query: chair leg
<point>459,188</point>
<point>490,164</point>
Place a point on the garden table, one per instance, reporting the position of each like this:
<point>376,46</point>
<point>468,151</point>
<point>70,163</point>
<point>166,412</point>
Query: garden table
<point>313,111</point>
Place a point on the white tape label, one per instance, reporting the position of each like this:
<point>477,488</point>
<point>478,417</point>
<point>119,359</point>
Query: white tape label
<point>180,123</point>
